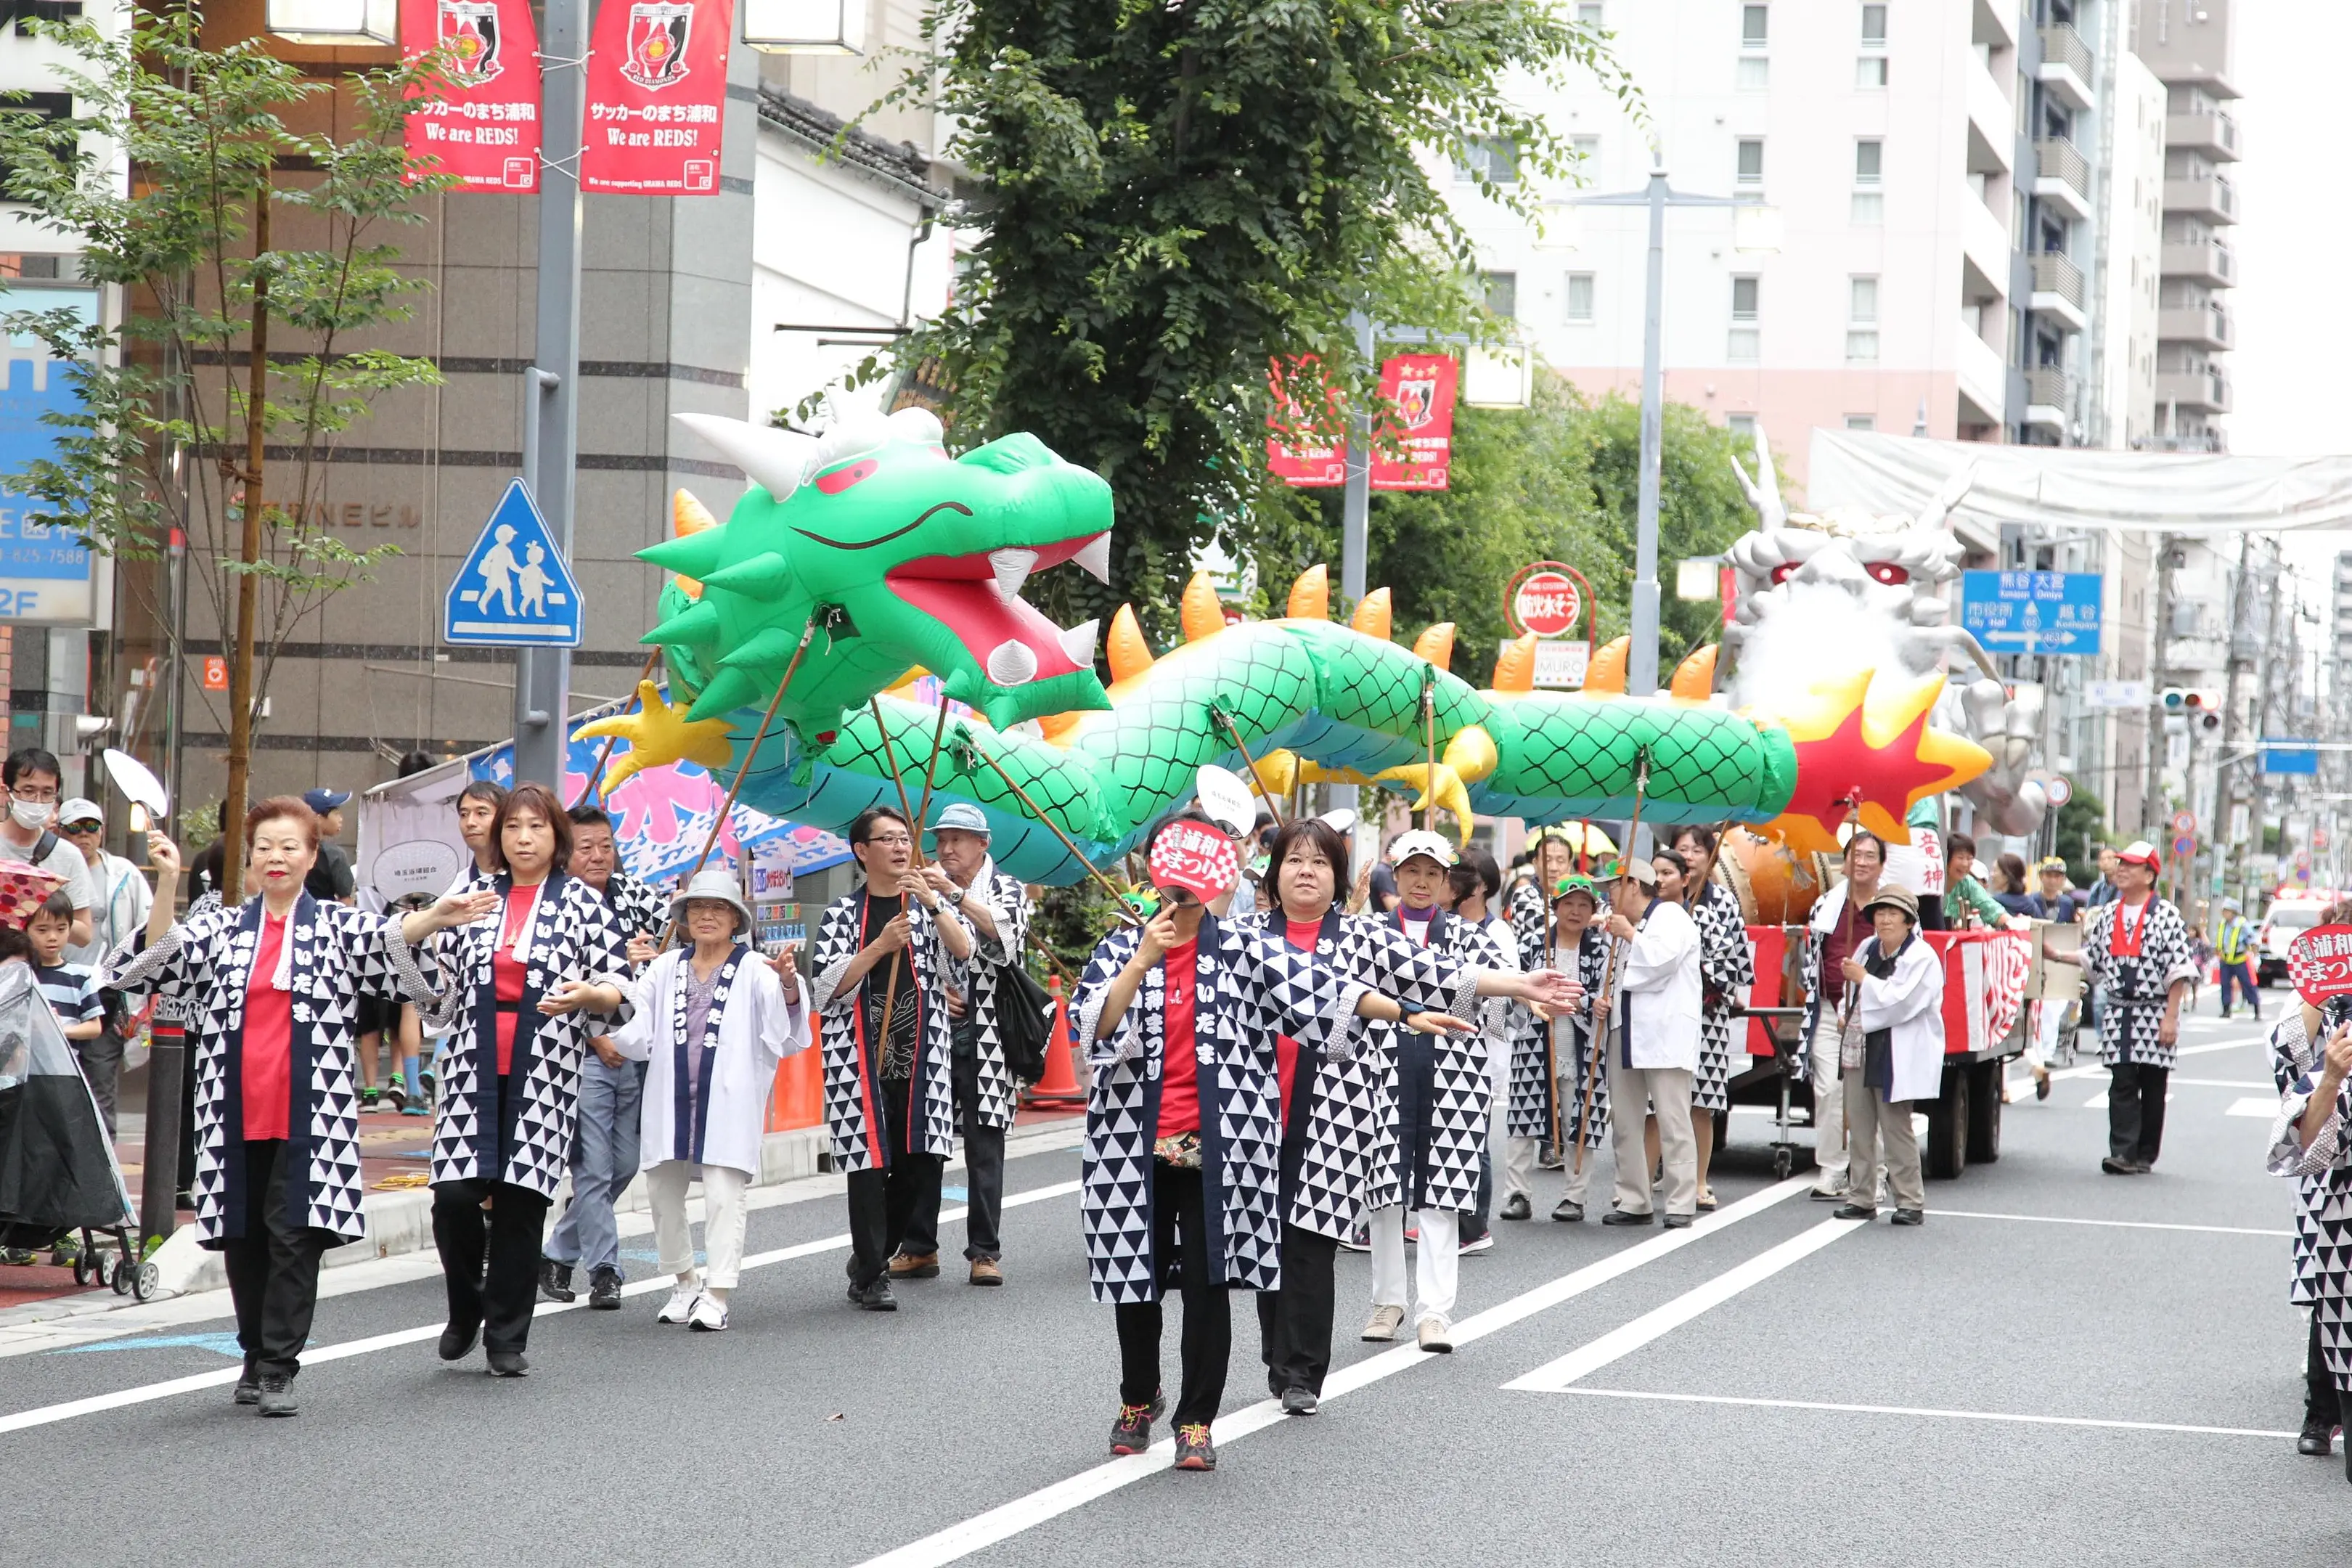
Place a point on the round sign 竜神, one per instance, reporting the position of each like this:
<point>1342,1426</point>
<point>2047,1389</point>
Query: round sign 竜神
<point>1545,599</point>
<point>2319,963</point>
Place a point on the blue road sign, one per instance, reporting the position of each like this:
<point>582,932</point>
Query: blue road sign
<point>2032,612</point>
<point>2289,758</point>
<point>515,589</point>
<point>45,572</point>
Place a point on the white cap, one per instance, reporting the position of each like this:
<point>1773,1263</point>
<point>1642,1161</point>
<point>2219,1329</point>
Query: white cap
<point>1225,800</point>
<point>1343,820</point>
<point>1420,841</point>
<point>80,809</point>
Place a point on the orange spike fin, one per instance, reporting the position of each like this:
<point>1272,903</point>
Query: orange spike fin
<point>1372,617</point>
<point>1606,671</point>
<point>1311,596</point>
<point>1130,654</point>
<point>1515,667</point>
<point>1201,616</point>
<point>1436,644</point>
<point>688,515</point>
<point>1693,678</point>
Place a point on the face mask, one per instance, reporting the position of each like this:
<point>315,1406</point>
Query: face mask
<point>30,813</point>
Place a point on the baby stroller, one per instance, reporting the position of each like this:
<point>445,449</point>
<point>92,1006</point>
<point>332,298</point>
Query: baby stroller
<point>58,1174</point>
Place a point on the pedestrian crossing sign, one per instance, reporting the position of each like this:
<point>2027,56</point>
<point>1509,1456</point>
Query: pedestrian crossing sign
<point>515,588</point>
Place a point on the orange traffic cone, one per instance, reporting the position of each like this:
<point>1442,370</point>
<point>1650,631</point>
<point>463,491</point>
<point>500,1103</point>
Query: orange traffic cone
<point>1058,1090</point>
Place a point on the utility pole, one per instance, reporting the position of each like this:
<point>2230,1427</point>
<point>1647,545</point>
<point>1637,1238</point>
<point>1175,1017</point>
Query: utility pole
<point>1355,549</point>
<point>551,422</point>
<point>2159,741</point>
<point>2234,701</point>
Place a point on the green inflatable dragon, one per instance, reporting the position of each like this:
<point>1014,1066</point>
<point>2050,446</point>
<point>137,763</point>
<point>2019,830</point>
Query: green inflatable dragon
<point>858,557</point>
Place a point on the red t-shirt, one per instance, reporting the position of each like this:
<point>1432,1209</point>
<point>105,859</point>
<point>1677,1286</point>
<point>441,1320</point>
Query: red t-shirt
<point>1180,1072</point>
<point>268,1076</point>
<point>506,974</point>
<point>1302,935</point>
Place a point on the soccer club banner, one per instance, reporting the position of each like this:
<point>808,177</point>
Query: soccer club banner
<point>657,93</point>
<point>485,127</point>
<point>1416,448</point>
<point>1295,383</point>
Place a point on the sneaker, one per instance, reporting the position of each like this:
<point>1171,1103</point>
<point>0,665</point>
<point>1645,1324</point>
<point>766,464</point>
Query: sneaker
<point>555,1281</point>
<point>249,1387</point>
<point>875,1298</point>
<point>457,1343</point>
<point>1359,1237</point>
<point>16,1257</point>
<point>1517,1206</point>
<point>369,1097</point>
<point>915,1265</point>
<point>1412,1236</point>
<point>65,1253</point>
<point>424,1081</point>
<point>708,1316</point>
<point>1549,1158</point>
<point>1481,1242</point>
<point>1436,1336</point>
<point>417,1108</point>
<point>510,1364</point>
<point>987,1271</point>
<point>680,1305</point>
<point>395,1097</point>
<point>1193,1449</point>
<point>1568,1211</point>
<point>1132,1432</point>
<point>1299,1402</point>
<point>1827,1194</point>
<point>1383,1325</point>
<point>277,1396</point>
<point>604,1288</point>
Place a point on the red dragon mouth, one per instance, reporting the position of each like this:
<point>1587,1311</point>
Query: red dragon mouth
<point>978,598</point>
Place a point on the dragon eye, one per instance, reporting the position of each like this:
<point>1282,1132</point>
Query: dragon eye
<point>1888,573</point>
<point>840,479</point>
<point>1781,574</point>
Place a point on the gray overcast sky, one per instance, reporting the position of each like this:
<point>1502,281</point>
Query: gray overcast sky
<point>2293,306</point>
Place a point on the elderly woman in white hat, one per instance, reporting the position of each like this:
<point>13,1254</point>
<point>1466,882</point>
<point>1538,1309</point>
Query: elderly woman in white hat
<point>713,1019</point>
<point>1890,1054</point>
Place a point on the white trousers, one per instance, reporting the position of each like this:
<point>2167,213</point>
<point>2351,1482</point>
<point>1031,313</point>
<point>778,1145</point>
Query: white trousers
<point>1436,1271</point>
<point>722,1219</point>
<point>1668,1093</point>
<point>1829,1105</point>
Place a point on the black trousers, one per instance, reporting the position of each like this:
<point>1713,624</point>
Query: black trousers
<point>883,1204</point>
<point>1295,1322</point>
<point>2136,1110</point>
<point>499,1301</point>
<point>1178,1223</point>
<point>273,1271</point>
<point>2318,1383</point>
<point>984,1177</point>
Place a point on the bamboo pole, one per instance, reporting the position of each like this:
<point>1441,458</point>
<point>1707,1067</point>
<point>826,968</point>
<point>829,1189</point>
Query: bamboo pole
<point>1247,762</point>
<point>1117,899</point>
<point>1585,1085</point>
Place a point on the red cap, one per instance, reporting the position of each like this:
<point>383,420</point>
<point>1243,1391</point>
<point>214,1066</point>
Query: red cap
<point>2140,852</point>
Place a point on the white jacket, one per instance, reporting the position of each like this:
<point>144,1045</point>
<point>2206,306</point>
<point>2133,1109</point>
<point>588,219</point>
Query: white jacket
<point>1909,1004</point>
<point>1659,975</point>
<point>757,1030</point>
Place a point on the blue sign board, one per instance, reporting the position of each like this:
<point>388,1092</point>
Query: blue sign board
<point>2289,758</point>
<point>2032,612</point>
<point>515,589</point>
<point>45,572</point>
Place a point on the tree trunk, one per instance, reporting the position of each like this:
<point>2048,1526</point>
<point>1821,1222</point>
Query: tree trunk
<point>240,662</point>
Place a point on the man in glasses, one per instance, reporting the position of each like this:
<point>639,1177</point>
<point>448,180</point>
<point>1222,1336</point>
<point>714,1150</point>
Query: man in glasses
<point>33,775</point>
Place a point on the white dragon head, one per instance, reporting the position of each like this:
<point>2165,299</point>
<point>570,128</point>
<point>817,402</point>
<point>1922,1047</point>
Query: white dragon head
<point>1850,590</point>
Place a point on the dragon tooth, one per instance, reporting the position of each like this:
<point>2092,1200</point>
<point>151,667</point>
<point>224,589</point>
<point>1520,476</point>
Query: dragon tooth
<point>1078,642</point>
<point>1010,663</point>
<point>1012,567</point>
<point>1094,559</point>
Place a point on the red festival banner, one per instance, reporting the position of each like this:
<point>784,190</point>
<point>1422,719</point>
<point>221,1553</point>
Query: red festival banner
<point>1315,462</point>
<point>485,128</point>
<point>657,96</point>
<point>1419,389</point>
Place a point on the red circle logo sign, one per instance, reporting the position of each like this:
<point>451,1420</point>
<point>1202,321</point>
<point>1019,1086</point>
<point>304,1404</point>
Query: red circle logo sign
<point>2319,963</point>
<point>1548,604</point>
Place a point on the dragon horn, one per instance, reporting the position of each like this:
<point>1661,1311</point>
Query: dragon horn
<point>1436,645</point>
<point>688,516</point>
<point>773,459</point>
<point>1937,511</point>
<point>1311,596</point>
<point>1201,614</point>
<point>1372,617</point>
<point>1764,490</point>
<point>1515,667</point>
<point>1130,654</point>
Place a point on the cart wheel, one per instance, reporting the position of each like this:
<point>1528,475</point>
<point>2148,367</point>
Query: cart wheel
<point>119,1277</point>
<point>144,1278</point>
<point>1784,1160</point>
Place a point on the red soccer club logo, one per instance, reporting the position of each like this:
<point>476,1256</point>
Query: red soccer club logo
<point>658,30</point>
<point>469,32</point>
<point>2320,963</point>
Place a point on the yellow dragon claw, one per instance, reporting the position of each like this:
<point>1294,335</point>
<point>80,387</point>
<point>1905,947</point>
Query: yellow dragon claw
<point>1278,771</point>
<point>1440,781</point>
<point>659,733</point>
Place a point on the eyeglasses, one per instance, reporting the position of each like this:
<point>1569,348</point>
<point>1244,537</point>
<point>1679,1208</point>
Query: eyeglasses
<point>890,840</point>
<point>37,795</point>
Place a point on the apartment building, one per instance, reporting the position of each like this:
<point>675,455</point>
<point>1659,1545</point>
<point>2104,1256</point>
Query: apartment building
<point>2189,45</point>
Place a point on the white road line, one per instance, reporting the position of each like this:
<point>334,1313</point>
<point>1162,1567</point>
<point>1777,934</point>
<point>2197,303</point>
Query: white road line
<point>48,1414</point>
<point>1619,1343</point>
<point>2263,1107</point>
<point>1008,1519</point>
<point>2109,1223</point>
<point>2219,1083</point>
<point>1922,1410</point>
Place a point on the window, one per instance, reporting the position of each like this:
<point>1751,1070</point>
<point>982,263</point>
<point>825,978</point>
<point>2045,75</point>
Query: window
<point>1869,204</point>
<point>1873,27</point>
<point>1496,157</point>
<point>1870,72</point>
<point>1861,422</point>
<point>1588,14</point>
<point>32,10</point>
<point>1746,342</point>
<point>1754,73</point>
<point>1587,150</point>
<point>1502,293</point>
<point>41,106</point>
<point>1741,424</point>
<point>1862,321</point>
<point>1580,296</point>
<point>1750,161</point>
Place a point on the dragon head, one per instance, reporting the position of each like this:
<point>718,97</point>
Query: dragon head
<point>923,557</point>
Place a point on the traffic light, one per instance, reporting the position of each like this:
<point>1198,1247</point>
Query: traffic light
<point>2200,708</point>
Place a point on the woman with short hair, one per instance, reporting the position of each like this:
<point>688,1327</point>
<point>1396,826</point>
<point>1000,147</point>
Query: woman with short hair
<point>1726,967</point>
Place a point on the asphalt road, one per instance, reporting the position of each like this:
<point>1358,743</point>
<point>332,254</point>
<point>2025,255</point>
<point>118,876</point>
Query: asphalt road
<point>2062,1367</point>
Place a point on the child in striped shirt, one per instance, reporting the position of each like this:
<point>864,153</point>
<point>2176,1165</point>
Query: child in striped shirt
<point>71,991</point>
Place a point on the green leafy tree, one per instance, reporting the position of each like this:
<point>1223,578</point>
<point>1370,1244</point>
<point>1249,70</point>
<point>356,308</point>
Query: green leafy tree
<point>1175,193</point>
<point>249,257</point>
<point>2080,832</point>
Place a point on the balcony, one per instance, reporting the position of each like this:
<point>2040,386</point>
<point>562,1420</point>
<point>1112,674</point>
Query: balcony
<point>1991,121</point>
<point>1984,252</point>
<point>2213,134</point>
<point>2207,326</point>
<point>2049,397</point>
<point>2064,180</point>
<point>2206,260</point>
<point>2065,71</point>
<point>2193,389</point>
<point>2212,439</point>
<point>2058,290</point>
<point>2208,196</point>
<point>1981,375</point>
